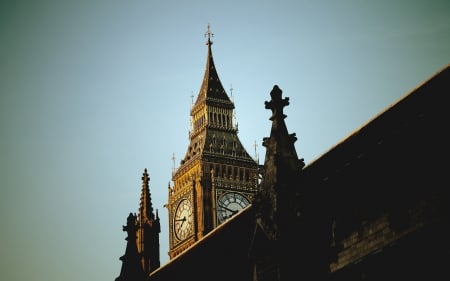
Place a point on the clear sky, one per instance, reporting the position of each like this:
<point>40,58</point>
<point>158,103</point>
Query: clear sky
<point>94,92</point>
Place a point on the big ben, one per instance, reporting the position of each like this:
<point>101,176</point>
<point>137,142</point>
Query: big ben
<point>216,177</point>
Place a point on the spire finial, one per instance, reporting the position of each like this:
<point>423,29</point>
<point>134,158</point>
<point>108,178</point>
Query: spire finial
<point>209,34</point>
<point>173,159</point>
<point>255,145</point>
<point>231,92</point>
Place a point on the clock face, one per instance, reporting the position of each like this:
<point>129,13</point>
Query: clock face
<point>183,220</point>
<point>229,204</point>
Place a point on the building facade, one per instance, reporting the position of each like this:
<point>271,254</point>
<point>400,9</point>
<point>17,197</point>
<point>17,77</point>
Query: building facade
<point>373,207</point>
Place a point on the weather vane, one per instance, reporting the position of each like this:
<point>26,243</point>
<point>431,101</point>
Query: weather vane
<point>209,34</point>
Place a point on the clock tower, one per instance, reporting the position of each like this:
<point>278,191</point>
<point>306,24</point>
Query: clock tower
<point>217,177</point>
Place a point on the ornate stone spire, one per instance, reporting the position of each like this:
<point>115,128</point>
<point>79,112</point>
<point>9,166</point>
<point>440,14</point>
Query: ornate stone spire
<point>145,205</point>
<point>211,90</point>
<point>278,204</point>
<point>213,125</point>
<point>281,171</point>
<point>148,229</point>
<point>280,149</point>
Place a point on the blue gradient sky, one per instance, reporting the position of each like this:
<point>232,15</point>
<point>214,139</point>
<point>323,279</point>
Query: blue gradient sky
<point>93,92</point>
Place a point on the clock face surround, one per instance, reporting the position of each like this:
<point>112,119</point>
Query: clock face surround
<point>183,220</point>
<point>229,204</point>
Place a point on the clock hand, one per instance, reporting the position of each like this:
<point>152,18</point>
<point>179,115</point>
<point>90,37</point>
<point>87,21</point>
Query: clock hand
<point>181,225</point>
<point>182,220</point>
<point>228,209</point>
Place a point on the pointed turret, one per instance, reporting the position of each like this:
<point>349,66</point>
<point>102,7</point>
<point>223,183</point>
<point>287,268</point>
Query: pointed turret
<point>282,170</point>
<point>145,204</point>
<point>278,204</point>
<point>213,131</point>
<point>211,92</point>
<point>148,229</point>
<point>281,161</point>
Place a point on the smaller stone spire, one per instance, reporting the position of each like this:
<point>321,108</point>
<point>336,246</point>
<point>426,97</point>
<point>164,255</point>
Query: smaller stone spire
<point>148,229</point>
<point>280,145</point>
<point>145,206</point>
<point>282,170</point>
<point>278,204</point>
